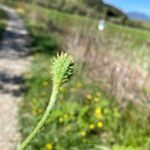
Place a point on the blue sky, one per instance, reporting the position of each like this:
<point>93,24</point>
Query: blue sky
<point>142,6</point>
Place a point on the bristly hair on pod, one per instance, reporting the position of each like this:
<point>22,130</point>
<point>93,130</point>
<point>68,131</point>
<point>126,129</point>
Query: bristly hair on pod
<point>62,68</point>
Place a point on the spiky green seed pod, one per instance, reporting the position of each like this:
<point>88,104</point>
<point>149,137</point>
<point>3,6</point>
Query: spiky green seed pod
<point>62,68</point>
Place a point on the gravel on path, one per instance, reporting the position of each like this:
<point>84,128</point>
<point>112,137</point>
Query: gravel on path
<point>13,63</point>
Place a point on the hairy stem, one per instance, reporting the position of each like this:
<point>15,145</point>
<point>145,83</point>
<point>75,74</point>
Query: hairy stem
<point>43,120</point>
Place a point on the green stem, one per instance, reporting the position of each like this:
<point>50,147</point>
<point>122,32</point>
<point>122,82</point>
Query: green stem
<point>42,121</point>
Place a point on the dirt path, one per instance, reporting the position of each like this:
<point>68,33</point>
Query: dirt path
<point>13,62</point>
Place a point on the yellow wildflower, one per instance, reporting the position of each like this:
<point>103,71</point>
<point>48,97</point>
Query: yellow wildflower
<point>89,96</point>
<point>100,124</point>
<point>61,120</point>
<point>98,113</point>
<point>49,146</point>
<point>98,94</point>
<point>96,99</point>
<point>91,126</point>
<point>66,117</point>
<point>83,133</point>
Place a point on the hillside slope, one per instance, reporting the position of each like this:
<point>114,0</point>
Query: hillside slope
<point>91,8</point>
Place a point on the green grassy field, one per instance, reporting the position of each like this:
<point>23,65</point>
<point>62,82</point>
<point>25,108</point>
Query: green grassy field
<point>85,116</point>
<point>127,42</point>
<point>64,20</point>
